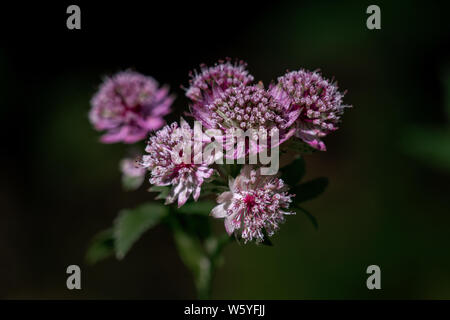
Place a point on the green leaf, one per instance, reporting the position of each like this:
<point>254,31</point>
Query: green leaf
<point>163,192</point>
<point>190,250</point>
<point>309,216</point>
<point>131,183</point>
<point>215,245</point>
<point>427,144</point>
<point>101,247</point>
<point>309,190</point>
<point>293,172</point>
<point>132,223</point>
<point>196,225</point>
<point>202,207</point>
<point>193,256</point>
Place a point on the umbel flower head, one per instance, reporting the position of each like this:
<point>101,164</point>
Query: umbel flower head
<point>256,204</point>
<point>172,163</point>
<point>251,108</point>
<point>319,102</point>
<point>128,106</point>
<point>248,107</point>
<point>205,87</point>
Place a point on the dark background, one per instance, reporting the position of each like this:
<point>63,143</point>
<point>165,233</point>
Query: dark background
<point>388,165</point>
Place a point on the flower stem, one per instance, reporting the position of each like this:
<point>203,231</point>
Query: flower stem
<point>200,257</point>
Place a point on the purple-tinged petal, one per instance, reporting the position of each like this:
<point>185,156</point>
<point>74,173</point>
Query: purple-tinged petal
<point>219,211</point>
<point>127,100</point>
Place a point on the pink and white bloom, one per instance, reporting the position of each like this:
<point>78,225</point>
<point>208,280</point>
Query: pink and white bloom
<point>248,107</point>
<point>251,109</point>
<point>224,100</point>
<point>319,102</point>
<point>254,203</point>
<point>206,86</point>
<point>129,105</point>
<point>172,162</point>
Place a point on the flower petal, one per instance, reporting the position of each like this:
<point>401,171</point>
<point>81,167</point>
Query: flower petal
<point>219,211</point>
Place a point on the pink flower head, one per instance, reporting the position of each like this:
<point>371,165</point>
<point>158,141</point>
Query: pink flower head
<point>172,163</point>
<point>254,204</point>
<point>128,106</point>
<point>133,174</point>
<point>318,99</point>
<point>131,168</point>
<point>251,108</point>
<point>206,86</point>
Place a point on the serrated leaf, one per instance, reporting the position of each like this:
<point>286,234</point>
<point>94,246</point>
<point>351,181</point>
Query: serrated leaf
<point>132,223</point>
<point>309,216</point>
<point>294,172</point>
<point>309,190</point>
<point>101,247</point>
<point>163,192</point>
<point>131,183</point>
<point>202,207</point>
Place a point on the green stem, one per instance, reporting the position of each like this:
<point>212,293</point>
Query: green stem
<point>214,247</point>
<point>203,281</point>
<point>201,258</point>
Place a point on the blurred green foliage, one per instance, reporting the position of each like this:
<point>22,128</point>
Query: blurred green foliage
<point>431,145</point>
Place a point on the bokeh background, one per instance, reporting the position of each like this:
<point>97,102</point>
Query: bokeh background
<point>389,164</point>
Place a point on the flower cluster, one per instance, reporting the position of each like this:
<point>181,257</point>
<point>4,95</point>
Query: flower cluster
<point>255,204</point>
<point>171,163</point>
<point>223,98</point>
<point>248,107</point>
<point>207,85</point>
<point>128,106</point>
<point>319,102</point>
